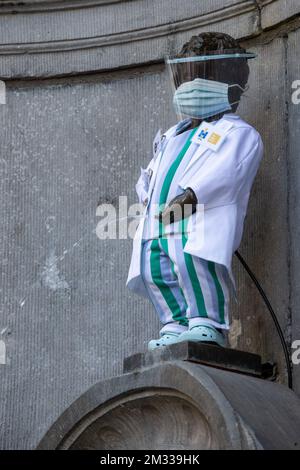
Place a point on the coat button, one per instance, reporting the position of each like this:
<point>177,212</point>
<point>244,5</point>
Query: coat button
<point>145,201</point>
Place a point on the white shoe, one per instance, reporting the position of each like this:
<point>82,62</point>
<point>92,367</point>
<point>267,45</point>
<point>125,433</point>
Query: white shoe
<point>165,339</point>
<point>204,334</point>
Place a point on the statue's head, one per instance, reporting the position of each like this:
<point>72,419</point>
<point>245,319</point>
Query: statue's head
<point>217,60</point>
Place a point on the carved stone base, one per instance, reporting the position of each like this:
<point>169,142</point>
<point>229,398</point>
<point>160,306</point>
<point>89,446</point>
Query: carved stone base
<point>177,404</point>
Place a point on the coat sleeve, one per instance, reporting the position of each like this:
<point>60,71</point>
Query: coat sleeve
<point>230,170</point>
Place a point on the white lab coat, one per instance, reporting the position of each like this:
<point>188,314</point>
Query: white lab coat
<point>222,181</point>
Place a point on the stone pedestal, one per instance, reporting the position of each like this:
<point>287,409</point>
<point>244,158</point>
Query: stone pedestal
<point>167,399</point>
<point>200,353</point>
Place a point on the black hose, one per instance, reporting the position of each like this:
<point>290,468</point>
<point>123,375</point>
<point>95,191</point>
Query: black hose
<point>274,317</point>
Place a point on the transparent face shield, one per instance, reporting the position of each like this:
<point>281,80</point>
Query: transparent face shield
<point>205,86</point>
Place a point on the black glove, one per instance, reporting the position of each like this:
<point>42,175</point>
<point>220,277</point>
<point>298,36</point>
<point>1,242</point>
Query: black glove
<point>179,207</point>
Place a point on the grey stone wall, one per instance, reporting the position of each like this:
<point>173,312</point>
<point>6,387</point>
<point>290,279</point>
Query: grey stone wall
<point>86,92</point>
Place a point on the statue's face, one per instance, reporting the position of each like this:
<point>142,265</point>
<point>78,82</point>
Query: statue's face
<point>189,71</point>
<point>220,70</point>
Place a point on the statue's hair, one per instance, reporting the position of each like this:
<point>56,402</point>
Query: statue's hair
<point>206,43</point>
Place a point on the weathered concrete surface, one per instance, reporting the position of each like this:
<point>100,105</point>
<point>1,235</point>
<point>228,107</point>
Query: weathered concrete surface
<point>55,41</point>
<point>265,242</point>
<point>277,11</point>
<point>64,299</point>
<point>180,405</point>
<point>293,74</point>
<point>70,144</point>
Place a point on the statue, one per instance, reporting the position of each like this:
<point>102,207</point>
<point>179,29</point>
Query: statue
<point>195,194</point>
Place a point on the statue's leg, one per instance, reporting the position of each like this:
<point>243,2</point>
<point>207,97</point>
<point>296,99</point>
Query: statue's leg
<point>215,286</point>
<point>163,288</point>
<point>204,284</point>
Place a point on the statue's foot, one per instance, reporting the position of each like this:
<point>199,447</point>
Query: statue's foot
<point>165,339</point>
<point>203,333</point>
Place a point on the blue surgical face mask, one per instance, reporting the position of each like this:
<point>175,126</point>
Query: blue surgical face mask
<point>202,98</point>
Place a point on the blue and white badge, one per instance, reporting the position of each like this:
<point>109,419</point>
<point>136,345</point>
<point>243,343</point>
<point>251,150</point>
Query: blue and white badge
<point>211,136</point>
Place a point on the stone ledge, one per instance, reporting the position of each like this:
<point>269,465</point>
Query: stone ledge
<point>84,40</point>
<point>214,356</point>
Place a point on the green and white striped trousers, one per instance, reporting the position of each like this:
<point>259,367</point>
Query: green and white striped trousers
<point>184,289</point>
